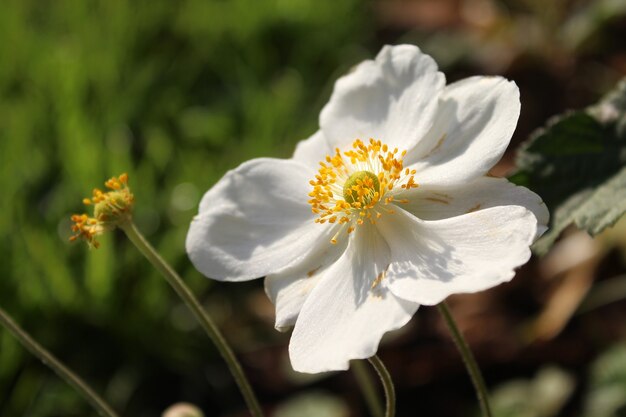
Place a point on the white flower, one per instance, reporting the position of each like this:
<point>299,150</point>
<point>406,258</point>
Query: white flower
<point>388,206</point>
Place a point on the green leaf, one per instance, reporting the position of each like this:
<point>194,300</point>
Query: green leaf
<point>550,389</point>
<point>577,165</point>
<point>607,384</point>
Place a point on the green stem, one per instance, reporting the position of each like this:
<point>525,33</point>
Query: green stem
<point>203,318</point>
<point>468,359</point>
<point>385,378</point>
<point>57,366</point>
<point>366,383</point>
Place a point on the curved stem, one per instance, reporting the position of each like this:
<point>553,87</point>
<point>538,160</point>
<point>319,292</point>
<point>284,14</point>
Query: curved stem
<point>468,359</point>
<point>366,383</point>
<point>57,366</point>
<point>203,318</point>
<point>385,378</point>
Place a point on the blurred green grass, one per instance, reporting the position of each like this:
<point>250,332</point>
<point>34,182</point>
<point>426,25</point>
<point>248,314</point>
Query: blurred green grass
<point>174,93</point>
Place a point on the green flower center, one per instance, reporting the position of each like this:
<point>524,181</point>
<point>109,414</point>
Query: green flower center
<point>361,187</point>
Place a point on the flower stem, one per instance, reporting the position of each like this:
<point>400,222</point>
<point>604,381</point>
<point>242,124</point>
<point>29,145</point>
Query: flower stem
<point>385,378</point>
<point>57,366</point>
<point>468,359</point>
<point>203,318</point>
<point>366,383</point>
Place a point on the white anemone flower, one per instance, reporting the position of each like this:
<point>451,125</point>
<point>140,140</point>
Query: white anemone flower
<point>388,206</point>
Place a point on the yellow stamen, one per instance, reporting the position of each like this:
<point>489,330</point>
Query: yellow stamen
<point>349,185</point>
<point>111,208</point>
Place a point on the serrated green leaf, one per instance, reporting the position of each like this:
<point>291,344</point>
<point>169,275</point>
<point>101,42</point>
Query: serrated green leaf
<point>591,210</point>
<point>576,164</point>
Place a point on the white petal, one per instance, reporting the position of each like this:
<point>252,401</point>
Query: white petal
<point>347,313</point>
<point>312,151</point>
<point>472,252</point>
<point>255,221</point>
<point>435,203</point>
<point>289,289</point>
<point>475,120</point>
<point>392,99</point>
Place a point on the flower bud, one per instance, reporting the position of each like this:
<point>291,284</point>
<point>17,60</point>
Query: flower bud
<point>183,410</point>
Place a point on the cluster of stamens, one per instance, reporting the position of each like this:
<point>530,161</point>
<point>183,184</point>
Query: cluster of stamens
<point>111,208</point>
<point>359,185</point>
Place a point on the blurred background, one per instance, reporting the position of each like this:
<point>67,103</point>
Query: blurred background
<point>175,94</point>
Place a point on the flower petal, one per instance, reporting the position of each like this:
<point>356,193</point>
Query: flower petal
<point>391,99</point>
<point>289,289</point>
<point>255,221</point>
<point>472,252</point>
<point>436,203</point>
<point>312,151</point>
<point>349,310</point>
<point>475,120</point>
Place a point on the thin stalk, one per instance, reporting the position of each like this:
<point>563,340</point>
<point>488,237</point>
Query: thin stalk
<point>203,318</point>
<point>385,379</point>
<point>468,359</point>
<point>366,383</point>
<point>57,366</point>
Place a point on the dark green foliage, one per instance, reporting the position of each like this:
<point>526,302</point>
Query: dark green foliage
<point>577,164</point>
